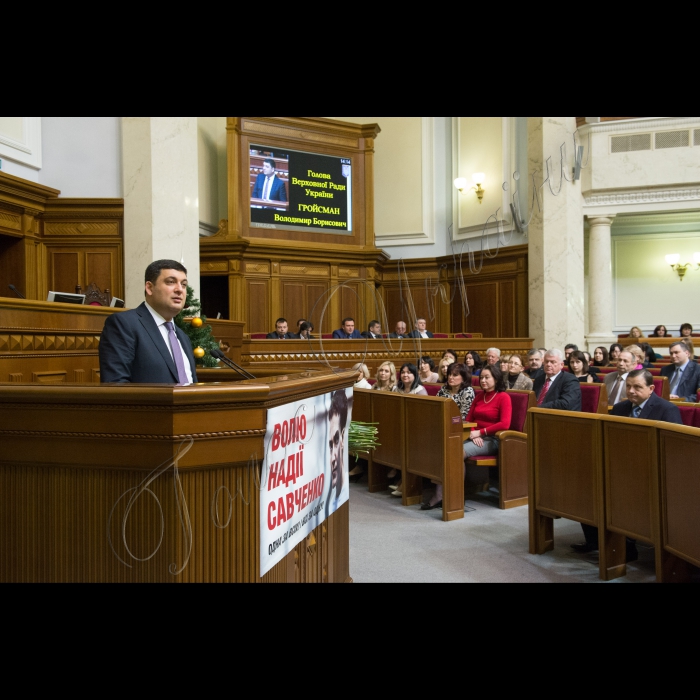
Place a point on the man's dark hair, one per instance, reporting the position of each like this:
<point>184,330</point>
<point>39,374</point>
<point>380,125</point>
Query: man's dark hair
<point>155,268</point>
<point>686,327</point>
<point>281,320</point>
<point>339,407</point>
<point>306,326</point>
<point>271,163</point>
<point>347,320</point>
<point>572,347</point>
<point>645,374</point>
<point>372,324</point>
<point>680,343</point>
<point>300,321</point>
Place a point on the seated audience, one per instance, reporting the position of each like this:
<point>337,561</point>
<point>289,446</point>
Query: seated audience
<point>492,412</point>
<point>639,355</point>
<point>642,403</point>
<point>374,331</point>
<point>516,378</point>
<point>300,323</point>
<point>305,331</point>
<point>616,382</point>
<point>650,355</point>
<point>427,372</point>
<point>474,363</point>
<point>421,332</point>
<point>535,359</point>
<point>493,357</point>
<point>683,375</point>
<point>459,388</point>
<point>348,331</point>
<point>660,332</point>
<point>409,381</point>
<point>614,354</point>
<point>601,358</point>
<point>450,354</point>
<point>686,331</point>
<point>282,332</point>
<point>579,367</point>
<point>386,377</point>
<point>557,390</point>
<point>362,383</point>
<point>504,364</point>
<point>443,366</point>
<point>568,350</point>
<point>399,332</point>
<point>636,332</point>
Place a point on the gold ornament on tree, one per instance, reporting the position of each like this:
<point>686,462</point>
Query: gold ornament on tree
<point>197,322</point>
<point>199,353</point>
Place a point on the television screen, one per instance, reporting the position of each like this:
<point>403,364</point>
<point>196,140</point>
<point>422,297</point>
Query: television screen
<point>293,189</point>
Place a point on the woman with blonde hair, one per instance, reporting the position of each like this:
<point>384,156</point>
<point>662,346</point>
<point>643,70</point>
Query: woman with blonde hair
<point>363,383</point>
<point>386,377</point>
<point>636,332</point>
<point>444,365</point>
<point>638,355</point>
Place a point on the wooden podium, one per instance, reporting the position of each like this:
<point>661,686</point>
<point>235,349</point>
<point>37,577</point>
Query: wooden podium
<point>186,459</point>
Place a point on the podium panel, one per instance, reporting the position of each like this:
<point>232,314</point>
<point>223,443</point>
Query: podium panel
<point>150,484</point>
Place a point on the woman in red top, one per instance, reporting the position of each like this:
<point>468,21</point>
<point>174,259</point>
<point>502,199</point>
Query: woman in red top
<point>492,412</point>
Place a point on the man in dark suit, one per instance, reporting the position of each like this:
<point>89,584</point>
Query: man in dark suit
<point>616,382</point>
<point>683,375</point>
<point>421,332</point>
<point>557,390</point>
<point>269,186</point>
<point>143,346</point>
<point>282,332</point>
<point>374,331</point>
<point>347,332</point>
<point>642,403</point>
<point>400,332</point>
<point>535,359</point>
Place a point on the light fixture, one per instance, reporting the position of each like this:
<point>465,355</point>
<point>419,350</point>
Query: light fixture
<point>479,179</point>
<point>674,261</point>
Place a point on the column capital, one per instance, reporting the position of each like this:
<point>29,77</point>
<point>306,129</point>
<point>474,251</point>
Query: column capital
<point>601,219</point>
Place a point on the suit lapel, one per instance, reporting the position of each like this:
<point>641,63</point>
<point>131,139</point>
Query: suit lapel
<point>149,324</point>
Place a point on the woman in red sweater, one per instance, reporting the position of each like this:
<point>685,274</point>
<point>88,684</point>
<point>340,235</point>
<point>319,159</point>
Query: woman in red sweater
<point>492,412</point>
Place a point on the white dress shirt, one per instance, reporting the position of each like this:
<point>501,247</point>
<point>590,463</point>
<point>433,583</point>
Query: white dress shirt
<point>160,322</point>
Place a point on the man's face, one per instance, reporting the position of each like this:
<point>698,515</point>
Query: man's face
<point>552,366</point>
<point>349,327</point>
<point>679,356</point>
<point>637,390</point>
<point>400,329</point>
<point>536,361</point>
<point>421,325</point>
<point>626,362</point>
<point>493,358</point>
<point>377,330</point>
<point>568,353</point>
<point>282,328</point>
<point>268,170</point>
<point>167,296</point>
<point>337,457</point>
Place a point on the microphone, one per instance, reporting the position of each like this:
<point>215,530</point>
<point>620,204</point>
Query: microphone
<point>216,353</point>
<point>16,291</point>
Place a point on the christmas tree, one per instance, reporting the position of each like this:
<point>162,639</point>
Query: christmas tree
<point>198,331</point>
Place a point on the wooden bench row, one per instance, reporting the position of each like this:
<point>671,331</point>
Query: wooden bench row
<point>628,478</point>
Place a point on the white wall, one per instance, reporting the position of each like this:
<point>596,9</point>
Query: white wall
<point>213,174</point>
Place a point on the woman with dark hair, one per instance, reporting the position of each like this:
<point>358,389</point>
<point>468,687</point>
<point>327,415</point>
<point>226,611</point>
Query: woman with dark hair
<point>579,367</point>
<point>492,413</point>
<point>451,354</point>
<point>660,332</point>
<point>601,357</point>
<point>686,331</point>
<point>614,354</point>
<point>305,331</point>
<point>427,372</point>
<point>650,355</point>
<point>409,381</point>
<point>459,388</point>
<point>474,362</point>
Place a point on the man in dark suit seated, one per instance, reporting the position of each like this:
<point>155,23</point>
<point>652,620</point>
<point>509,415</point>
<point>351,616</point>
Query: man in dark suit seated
<point>399,332</point>
<point>421,332</point>
<point>347,332</point>
<point>143,346</point>
<point>535,359</point>
<point>557,390</point>
<point>282,332</point>
<point>642,403</point>
<point>374,331</point>
<point>683,375</point>
<point>269,186</point>
<point>616,382</point>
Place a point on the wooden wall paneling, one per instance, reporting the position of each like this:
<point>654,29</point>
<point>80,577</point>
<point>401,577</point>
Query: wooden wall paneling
<point>506,309</point>
<point>316,298</point>
<point>65,269</point>
<point>258,306</point>
<point>483,308</point>
<point>12,266</point>
<point>101,268</point>
<point>350,306</point>
<point>293,302</point>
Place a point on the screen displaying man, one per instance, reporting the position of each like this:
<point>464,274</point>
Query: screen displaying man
<point>269,187</point>
<point>143,346</point>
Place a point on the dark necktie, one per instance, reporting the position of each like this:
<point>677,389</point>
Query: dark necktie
<point>177,354</point>
<point>615,395</point>
<point>637,411</point>
<point>543,395</point>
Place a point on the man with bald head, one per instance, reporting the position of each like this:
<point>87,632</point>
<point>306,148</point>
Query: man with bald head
<point>555,389</point>
<point>401,331</point>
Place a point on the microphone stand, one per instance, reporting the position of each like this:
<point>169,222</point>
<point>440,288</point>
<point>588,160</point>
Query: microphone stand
<point>231,364</point>
<point>16,291</point>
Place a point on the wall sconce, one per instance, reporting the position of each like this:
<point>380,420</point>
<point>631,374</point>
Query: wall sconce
<point>479,178</point>
<point>674,262</point>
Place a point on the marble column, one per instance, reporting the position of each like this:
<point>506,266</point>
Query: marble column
<point>161,198</point>
<point>556,237</point>
<point>600,283</point>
